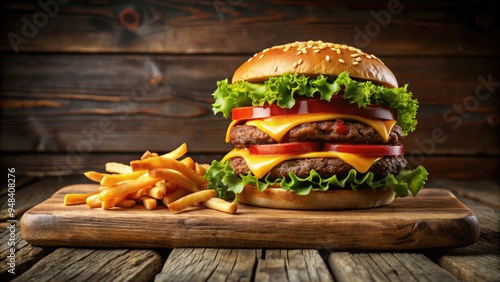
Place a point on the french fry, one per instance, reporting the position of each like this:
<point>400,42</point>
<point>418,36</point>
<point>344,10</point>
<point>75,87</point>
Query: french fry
<point>126,187</point>
<point>155,192</point>
<point>191,199</point>
<point>148,154</point>
<point>161,162</point>
<point>176,153</point>
<point>95,176</point>
<point>175,177</point>
<point>161,184</point>
<point>113,179</point>
<point>170,187</point>
<point>76,199</point>
<point>178,183</point>
<point>111,203</point>
<point>174,196</point>
<point>93,201</point>
<point>136,195</point>
<point>148,202</point>
<point>101,188</point>
<point>113,167</point>
<point>167,186</point>
<point>221,205</point>
<point>200,169</point>
<point>126,203</point>
<point>107,204</point>
<point>189,162</point>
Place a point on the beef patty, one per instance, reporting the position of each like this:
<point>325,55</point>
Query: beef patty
<point>326,167</point>
<point>338,131</point>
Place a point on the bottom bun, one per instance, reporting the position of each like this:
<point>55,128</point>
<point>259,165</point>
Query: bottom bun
<point>278,198</point>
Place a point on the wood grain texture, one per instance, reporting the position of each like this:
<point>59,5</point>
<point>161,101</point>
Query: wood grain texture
<point>26,255</point>
<point>21,180</point>
<point>53,108</point>
<point>433,219</point>
<point>31,195</point>
<point>430,28</point>
<point>200,264</point>
<point>458,167</point>
<point>481,261</point>
<point>102,79</point>
<point>66,264</point>
<point>484,192</point>
<point>386,267</point>
<point>292,265</point>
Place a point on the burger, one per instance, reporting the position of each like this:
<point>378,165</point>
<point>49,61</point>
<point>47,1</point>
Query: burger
<point>315,126</point>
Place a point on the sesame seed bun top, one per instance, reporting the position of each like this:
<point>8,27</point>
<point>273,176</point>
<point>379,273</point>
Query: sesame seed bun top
<point>313,58</point>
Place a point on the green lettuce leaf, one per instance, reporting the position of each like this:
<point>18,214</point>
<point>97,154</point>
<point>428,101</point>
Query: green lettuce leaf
<point>281,90</point>
<point>221,178</point>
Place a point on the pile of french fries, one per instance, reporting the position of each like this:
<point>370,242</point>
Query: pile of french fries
<point>177,183</point>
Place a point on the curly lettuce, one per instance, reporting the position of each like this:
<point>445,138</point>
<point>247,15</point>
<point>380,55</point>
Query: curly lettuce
<point>281,90</point>
<point>221,177</point>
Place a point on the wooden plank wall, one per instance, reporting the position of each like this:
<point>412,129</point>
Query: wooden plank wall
<point>85,82</point>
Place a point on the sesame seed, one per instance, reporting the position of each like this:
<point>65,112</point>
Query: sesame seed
<point>355,63</point>
<point>294,65</point>
<point>265,50</point>
<point>300,52</point>
<point>249,59</point>
<point>275,68</point>
<point>255,54</point>
<point>327,58</point>
<point>358,59</point>
<point>299,62</point>
<point>317,51</point>
<point>335,48</point>
<point>341,61</point>
<point>260,57</point>
<point>368,56</point>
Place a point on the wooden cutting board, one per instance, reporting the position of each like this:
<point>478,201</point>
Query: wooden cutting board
<point>435,218</point>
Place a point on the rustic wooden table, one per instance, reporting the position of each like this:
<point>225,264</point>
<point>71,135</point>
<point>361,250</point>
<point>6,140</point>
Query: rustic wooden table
<point>478,262</point>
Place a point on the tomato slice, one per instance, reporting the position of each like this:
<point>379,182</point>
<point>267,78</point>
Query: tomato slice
<point>364,149</point>
<point>310,105</point>
<point>285,148</point>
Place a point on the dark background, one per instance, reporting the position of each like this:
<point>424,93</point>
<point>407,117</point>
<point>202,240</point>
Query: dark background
<point>87,82</point>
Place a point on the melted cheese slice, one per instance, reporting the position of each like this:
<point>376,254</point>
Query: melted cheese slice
<point>260,165</point>
<point>278,126</point>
